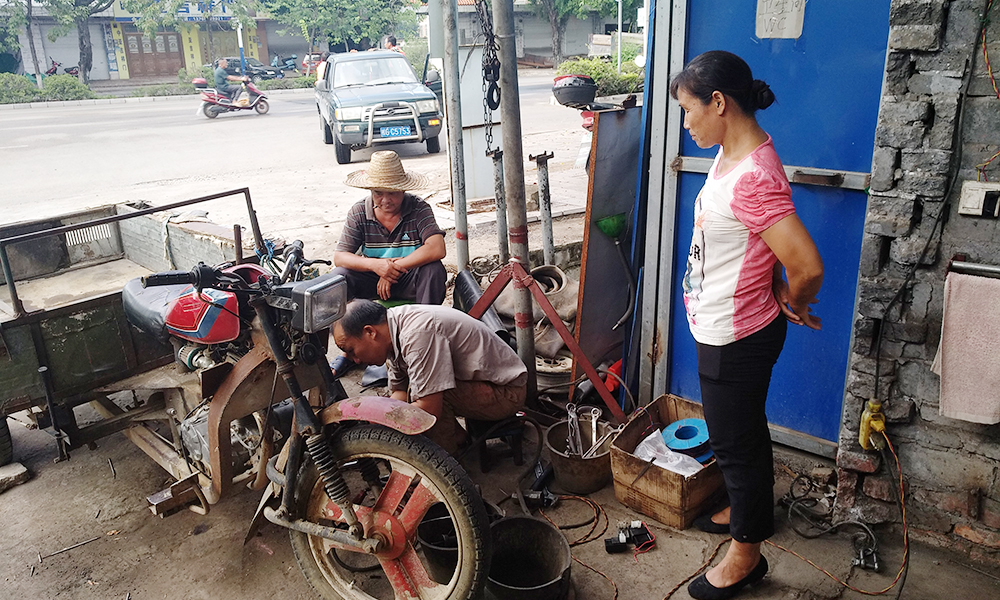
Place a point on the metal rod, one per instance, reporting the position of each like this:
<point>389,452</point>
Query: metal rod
<point>67,549</point>
<point>501,205</point>
<point>50,406</point>
<point>8,276</point>
<point>456,147</point>
<point>513,169</point>
<point>238,242</point>
<point>139,213</point>
<point>969,268</point>
<point>545,206</point>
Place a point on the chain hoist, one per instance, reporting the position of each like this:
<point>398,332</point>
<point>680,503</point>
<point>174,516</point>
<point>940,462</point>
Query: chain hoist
<point>491,71</point>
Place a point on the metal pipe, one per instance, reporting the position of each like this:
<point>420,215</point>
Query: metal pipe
<point>139,213</point>
<point>501,205</point>
<point>8,276</point>
<point>456,148</point>
<point>339,537</point>
<point>513,168</point>
<point>545,206</point>
<point>50,405</point>
<point>969,268</point>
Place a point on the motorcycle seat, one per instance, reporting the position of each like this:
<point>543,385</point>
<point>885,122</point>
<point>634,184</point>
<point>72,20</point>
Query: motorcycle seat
<point>146,308</point>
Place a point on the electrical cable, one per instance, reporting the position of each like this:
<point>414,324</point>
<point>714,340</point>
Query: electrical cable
<point>589,536</point>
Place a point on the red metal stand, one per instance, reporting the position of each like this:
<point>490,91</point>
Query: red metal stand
<point>515,271</point>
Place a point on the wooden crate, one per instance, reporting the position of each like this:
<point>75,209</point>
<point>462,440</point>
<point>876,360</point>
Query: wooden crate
<point>661,494</point>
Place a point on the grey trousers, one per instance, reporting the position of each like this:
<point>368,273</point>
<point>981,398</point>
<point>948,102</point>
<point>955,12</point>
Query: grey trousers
<point>424,284</point>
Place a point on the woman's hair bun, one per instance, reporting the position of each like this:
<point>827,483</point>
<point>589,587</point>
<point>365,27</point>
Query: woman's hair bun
<point>761,94</point>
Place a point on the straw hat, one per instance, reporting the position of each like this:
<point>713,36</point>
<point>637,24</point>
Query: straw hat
<point>385,173</point>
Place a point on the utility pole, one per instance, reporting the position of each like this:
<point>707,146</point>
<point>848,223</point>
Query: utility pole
<point>456,149</point>
<point>513,169</point>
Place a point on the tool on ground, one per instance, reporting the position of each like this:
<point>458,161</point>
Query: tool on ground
<point>634,533</point>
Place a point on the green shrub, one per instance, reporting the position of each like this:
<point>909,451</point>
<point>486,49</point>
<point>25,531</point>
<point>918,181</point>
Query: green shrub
<point>66,87</point>
<point>186,75</point>
<point>289,83</point>
<point>166,89</point>
<point>416,53</point>
<point>16,89</point>
<point>605,74</point>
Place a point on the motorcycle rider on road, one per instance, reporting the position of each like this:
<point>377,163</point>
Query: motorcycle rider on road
<point>221,77</point>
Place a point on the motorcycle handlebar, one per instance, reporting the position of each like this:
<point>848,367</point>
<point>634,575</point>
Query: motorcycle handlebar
<point>201,276</point>
<point>169,278</point>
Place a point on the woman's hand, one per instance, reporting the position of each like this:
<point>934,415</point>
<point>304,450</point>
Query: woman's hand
<point>795,250</point>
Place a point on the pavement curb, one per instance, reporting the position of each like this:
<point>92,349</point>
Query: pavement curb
<point>132,100</point>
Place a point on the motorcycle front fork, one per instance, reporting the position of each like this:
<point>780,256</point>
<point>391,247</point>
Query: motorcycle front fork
<point>307,431</point>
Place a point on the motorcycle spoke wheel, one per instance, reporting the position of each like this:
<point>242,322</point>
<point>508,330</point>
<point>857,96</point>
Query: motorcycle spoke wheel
<point>415,475</point>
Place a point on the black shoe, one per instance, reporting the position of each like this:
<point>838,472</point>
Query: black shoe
<point>706,524</point>
<point>341,365</point>
<point>701,589</point>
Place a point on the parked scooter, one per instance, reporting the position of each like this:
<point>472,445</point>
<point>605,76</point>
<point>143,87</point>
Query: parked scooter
<point>214,103</point>
<point>350,478</point>
<point>287,63</point>
<point>74,70</point>
<point>54,67</point>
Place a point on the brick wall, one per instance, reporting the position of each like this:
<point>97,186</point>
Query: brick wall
<point>950,466</point>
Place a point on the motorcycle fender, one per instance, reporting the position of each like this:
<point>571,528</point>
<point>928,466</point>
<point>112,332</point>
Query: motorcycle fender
<point>394,414</point>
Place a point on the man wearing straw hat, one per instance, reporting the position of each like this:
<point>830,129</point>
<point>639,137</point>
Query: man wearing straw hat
<point>391,246</point>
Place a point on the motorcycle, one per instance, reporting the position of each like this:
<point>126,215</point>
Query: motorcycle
<point>214,103</point>
<point>350,478</point>
<point>74,70</point>
<point>54,67</point>
<point>288,63</point>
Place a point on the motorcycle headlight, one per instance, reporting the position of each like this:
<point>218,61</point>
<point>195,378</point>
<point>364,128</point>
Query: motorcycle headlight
<point>349,114</point>
<point>318,302</point>
<point>427,106</point>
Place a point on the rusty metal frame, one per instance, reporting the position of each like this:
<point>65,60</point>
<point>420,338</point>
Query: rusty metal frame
<point>515,271</point>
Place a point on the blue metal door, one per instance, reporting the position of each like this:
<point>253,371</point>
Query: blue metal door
<point>827,83</point>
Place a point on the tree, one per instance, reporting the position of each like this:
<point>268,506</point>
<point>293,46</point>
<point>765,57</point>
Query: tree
<point>355,22</point>
<point>76,13</point>
<point>14,15</point>
<point>558,12</point>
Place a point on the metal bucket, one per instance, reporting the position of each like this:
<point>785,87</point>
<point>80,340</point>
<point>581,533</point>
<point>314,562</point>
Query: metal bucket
<point>531,561</point>
<point>576,474</point>
<point>438,542</point>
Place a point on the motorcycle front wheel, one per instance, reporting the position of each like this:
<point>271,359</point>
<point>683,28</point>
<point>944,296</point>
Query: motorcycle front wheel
<point>262,107</point>
<point>415,475</point>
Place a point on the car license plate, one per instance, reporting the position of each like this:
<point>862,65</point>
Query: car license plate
<point>391,132</point>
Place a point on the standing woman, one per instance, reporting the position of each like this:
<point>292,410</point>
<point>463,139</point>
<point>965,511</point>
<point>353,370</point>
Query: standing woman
<point>738,304</point>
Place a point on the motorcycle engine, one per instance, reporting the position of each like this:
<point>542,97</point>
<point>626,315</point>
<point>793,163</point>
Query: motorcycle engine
<point>244,434</point>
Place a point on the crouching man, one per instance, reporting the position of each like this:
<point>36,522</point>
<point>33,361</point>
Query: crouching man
<point>440,359</point>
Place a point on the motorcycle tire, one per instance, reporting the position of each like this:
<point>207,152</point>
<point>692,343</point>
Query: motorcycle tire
<point>433,145</point>
<point>211,111</point>
<point>342,151</point>
<point>262,107</point>
<point>327,132</point>
<point>421,465</point>
<point>6,444</point>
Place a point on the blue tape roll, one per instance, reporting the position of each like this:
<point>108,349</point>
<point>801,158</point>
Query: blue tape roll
<point>688,436</point>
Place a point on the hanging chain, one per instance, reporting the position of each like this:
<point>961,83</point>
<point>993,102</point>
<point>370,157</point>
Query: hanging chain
<point>491,71</point>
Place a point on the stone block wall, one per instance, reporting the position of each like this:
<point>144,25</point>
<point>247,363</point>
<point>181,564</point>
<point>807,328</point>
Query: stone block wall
<point>950,467</point>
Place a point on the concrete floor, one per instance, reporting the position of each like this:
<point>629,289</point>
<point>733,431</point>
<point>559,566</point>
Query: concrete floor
<point>193,556</point>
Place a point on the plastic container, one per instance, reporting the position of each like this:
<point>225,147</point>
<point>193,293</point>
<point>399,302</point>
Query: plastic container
<point>574,90</point>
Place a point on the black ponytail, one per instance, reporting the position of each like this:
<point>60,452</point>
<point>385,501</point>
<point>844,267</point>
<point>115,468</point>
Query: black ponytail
<point>721,71</point>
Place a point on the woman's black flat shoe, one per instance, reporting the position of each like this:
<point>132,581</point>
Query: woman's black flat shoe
<point>706,524</point>
<point>701,589</point>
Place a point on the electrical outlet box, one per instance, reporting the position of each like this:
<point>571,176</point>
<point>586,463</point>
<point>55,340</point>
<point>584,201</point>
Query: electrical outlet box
<point>980,199</point>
